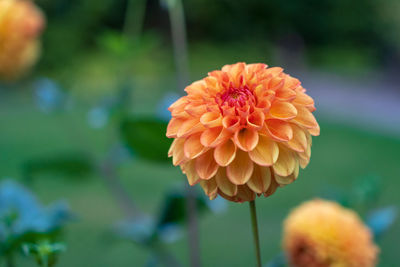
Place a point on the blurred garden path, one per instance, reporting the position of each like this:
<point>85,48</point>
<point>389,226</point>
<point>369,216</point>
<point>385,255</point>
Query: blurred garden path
<point>372,103</point>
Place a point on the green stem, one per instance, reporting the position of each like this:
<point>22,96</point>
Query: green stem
<point>178,30</point>
<point>256,239</point>
<point>134,17</point>
<point>10,260</point>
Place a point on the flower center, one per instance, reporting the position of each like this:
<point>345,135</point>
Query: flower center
<point>237,97</point>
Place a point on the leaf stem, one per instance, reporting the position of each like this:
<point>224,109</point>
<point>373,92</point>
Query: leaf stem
<point>256,239</point>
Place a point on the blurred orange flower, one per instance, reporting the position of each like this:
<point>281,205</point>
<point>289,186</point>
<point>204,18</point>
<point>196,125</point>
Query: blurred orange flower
<point>20,24</point>
<point>242,131</point>
<point>321,233</point>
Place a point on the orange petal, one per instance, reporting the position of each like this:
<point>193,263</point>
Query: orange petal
<point>282,110</point>
<point>285,94</point>
<point>284,180</point>
<point>299,140</point>
<point>206,167</point>
<point>213,137</point>
<point>178,156</point>
<point>210,188</point>
<point>224,184</point>
<point>231,123</point>
<point>246,139</point>
<point>195,110</point>
<point>193,146</point>
<point>286,162</point>
<point>303,99</point>
<point>303,162</point>
<point>314,131</point>
<point>245,194</point>
<point>260,179</point>
<point>181,101</point>
<point>189,127</point>
<point>196,88</point>
<point>211,119</point>
<point>272,188</point>
<point>305,117</point>
<point>171,148</point>
<point>266,152</point>
<point>280,130</point>
<point>191,174</point>
<point>256,120</point>
<point>173,127</point>
<point>241,168</point>
<point>225,153</point>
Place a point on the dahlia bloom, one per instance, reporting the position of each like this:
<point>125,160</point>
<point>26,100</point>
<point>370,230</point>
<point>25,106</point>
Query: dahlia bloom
<point>20,24</point>
<point>321,233</point>
<point>242,131</point>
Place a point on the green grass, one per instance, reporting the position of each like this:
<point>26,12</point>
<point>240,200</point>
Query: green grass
<point>340,156</point>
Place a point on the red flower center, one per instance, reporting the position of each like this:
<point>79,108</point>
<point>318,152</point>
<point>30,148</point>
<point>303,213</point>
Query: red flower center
<point>236,97</point>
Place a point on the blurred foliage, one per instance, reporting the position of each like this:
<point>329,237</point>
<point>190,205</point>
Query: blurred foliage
<point>72,165</point>
<point>380,220</point>
<point>163,228</point>
<point>44,252</point>
<point>146,137</point>
<point>23,219</point>
<point>334,27</point>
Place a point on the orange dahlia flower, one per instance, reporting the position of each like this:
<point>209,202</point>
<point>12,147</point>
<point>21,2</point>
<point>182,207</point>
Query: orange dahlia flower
<point>242,131</point>
<point>321,233</point>
<point>20,24</point>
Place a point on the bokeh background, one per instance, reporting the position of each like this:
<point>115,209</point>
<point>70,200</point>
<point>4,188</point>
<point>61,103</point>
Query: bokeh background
<point>109,65</point>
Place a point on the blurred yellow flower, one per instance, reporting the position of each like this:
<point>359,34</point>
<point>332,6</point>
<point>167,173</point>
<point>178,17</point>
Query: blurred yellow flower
<point>242,131</point>
<point>322,233</point>
<point>20,25</point>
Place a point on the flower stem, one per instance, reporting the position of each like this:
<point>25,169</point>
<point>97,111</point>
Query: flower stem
<point>256,239</point>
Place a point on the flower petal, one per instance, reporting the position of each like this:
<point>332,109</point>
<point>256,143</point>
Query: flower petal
<point>279,130</point>
<point>213,137</point>
<point>210,188</point>
<point>211,119</point>
<point>314,131</point>
<point>245,194</point>
<point>193,146</point>
<point>241,168</point>
<point>189,127</point>
<point>206,167</point>
<point>178,156</point>
<point>226,186</point>
<point>266,152</point>
<point>225,153</point>
<point>284,180</point>
<point>260,179</point>
<point>173,127</point>
<point>190,170</point>
<point>282,110</point>
<point>299,140</point>
<point>285,94</point>
<point>286,162</point>
<point>305,117</point>
<point>256,120</point>
<point>273,186</point>
<point>303,99</point>
<point>246,139</point>
<point>231,123</point>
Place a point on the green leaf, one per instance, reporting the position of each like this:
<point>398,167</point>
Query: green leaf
<point>174,208</point>
<point>146,137</point>
<point>75,165</point>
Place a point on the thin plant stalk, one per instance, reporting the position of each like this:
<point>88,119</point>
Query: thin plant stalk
<point>179,42</point>
<point>134,18</point>
<point>10,260</point>
<point>256,239</point>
